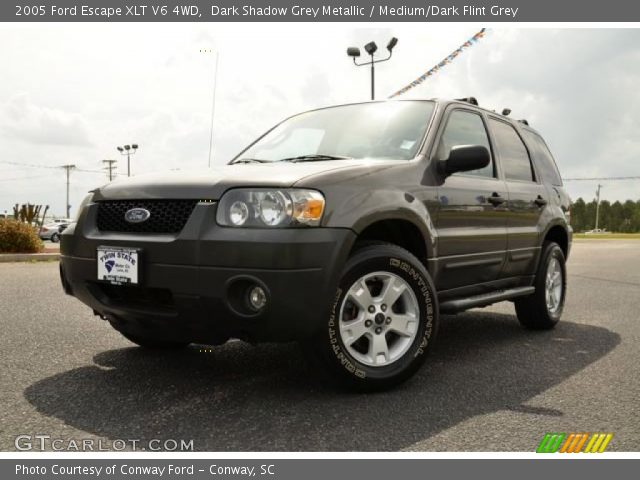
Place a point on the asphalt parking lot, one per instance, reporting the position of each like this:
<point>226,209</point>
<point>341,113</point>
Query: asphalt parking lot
<point>489,384</point>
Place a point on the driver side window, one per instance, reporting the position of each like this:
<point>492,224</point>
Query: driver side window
<point>465,128</point>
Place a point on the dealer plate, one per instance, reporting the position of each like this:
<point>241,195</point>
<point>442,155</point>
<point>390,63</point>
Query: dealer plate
<point>118,265</point>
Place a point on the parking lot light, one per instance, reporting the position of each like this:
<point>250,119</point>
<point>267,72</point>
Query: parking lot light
<point>371,48</point>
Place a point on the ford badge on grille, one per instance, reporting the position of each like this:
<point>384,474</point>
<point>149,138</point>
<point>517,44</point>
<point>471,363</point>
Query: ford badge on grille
<point>137,215</point>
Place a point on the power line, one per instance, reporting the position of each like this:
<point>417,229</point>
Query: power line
<point>33,165</point>
<point>579,179</point>
<point>30,165</point>
<point>24,178</point>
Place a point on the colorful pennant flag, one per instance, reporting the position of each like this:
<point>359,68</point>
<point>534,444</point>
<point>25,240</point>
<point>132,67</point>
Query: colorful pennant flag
<point>439,66</point>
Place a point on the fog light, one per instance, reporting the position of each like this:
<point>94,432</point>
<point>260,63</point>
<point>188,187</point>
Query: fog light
<point>257,297</point>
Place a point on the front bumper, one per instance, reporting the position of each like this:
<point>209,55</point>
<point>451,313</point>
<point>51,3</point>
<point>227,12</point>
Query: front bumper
<point>192,283</point>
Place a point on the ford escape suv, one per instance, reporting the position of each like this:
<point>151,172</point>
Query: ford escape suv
<point>350,229</point>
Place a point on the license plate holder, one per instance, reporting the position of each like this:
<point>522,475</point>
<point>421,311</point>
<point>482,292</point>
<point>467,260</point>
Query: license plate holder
<point>118,265</point>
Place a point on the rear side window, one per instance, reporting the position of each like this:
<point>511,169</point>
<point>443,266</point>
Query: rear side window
<point>465,128</point>
<point>514,157</point>
<point>543,158</point>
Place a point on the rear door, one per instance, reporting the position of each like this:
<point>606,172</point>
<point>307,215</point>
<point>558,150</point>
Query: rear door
<point>472,215</point>
<point>527,199</point>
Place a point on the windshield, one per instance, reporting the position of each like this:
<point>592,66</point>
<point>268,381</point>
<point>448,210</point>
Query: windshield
<point>370,130</point>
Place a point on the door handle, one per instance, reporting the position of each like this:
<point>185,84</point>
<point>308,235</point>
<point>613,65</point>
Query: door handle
<point>541,202</point>
<point>496,199</point>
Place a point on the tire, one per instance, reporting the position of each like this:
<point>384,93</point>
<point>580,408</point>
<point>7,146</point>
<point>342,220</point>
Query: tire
<point>55,238</point>
<point>536,311</point>
<point>150,342</point>
<point>387,344</point>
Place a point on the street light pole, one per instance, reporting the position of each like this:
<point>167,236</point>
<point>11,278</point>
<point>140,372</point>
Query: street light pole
<point>371,49</point>
<point>128,150</point>
<point>68,169</point>
<point>373,79</point>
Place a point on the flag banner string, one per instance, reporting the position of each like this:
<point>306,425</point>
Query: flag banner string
<point>447,60</point>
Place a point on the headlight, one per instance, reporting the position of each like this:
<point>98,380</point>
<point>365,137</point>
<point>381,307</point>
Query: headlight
<point>83,204</point>
<point>262,207</point>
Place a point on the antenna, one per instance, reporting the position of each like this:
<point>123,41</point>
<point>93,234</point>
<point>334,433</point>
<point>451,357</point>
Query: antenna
<point>213,105</point>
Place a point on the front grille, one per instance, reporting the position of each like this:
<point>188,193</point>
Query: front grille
<point>167,216</point>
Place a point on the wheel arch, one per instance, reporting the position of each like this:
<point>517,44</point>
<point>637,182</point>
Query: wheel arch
<point>558,233</point>
<point>402,230</point>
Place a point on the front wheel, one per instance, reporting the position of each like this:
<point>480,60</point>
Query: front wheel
<point>542,309</point>
<point>55,238</point>
<point>382,321</point>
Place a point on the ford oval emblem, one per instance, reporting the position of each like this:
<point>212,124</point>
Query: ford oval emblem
<point>137,215</point>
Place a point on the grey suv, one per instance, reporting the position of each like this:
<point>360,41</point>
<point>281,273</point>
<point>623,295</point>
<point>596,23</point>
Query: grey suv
<point>350,229</point>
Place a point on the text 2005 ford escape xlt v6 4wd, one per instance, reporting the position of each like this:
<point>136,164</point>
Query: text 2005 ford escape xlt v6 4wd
<point>349,228</point>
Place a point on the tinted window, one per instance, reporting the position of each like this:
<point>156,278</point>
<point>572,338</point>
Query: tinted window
<point>391,130</point>
<point>465,128</point>
<point>543,158</point>
<point>514,157</point>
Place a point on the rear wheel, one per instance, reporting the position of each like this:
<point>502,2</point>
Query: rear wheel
<point>383,320</point>
<point>542,309</point>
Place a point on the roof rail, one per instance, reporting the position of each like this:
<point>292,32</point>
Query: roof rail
<point>471,100</point>
<point>524,121</point>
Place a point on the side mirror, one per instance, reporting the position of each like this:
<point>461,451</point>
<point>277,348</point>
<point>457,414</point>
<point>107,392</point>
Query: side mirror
<point>465,158</point>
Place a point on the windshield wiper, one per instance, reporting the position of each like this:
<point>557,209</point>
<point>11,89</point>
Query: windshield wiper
<point>249,160</point>
<point>313,158</point>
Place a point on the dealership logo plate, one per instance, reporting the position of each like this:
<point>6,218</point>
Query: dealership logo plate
<point>117,265</point>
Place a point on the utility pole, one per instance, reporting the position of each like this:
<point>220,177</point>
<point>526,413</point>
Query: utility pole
<point>109,166</point>
<point>68,169</point>
<point>597,205</point>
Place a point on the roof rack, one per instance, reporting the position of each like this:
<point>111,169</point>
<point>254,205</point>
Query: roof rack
<point>471,100</point>
<point>524,121</point>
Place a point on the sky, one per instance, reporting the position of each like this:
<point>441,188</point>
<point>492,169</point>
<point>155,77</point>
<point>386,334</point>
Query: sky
<point>71,93</point>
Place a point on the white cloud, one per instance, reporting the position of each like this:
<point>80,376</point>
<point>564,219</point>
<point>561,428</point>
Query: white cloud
<point>21,119</point>
<point>74,92</point>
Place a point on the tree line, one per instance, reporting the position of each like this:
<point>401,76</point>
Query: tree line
<point>614,217</point>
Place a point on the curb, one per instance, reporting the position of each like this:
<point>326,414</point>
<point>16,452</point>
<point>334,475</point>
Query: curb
<point>28,257</point>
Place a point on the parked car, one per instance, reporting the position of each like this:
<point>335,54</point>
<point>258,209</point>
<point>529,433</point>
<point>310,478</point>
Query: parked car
<point>50,232</point>
<point>349,228</point>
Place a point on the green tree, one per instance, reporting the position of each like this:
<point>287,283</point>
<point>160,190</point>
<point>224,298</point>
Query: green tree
<point>578,215</point>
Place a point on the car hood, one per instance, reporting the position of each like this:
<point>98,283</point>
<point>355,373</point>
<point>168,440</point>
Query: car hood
<point>210,184</point>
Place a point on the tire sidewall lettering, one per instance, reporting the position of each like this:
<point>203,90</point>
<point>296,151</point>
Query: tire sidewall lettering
<point>421,288</point>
